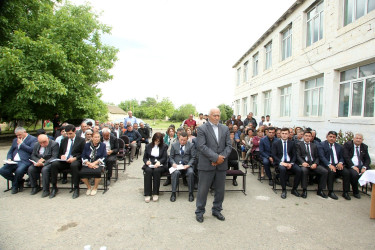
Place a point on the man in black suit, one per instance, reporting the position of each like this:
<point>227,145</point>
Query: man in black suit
<point>330,155</point>
<point>71,148</point>
<point>357,160</point>
<point>144,132</point>
<point>308,159</point>
<point>213,145</point>
<point>112,148</point>
<point>284,157</point>
<point>82,131</point>
<point>43,153</point>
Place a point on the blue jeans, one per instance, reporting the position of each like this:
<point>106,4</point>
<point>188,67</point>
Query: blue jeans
<point>14,172</point>
<point>266,164</point>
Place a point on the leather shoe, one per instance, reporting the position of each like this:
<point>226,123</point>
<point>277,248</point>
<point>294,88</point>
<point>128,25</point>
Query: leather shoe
<point>173,197</point>
<point>53,193</point>
<point>304,194</point>
<point>357,195</point>
<point>108,182</point>
<point>75,193</point>
<point>322,194</point>
<point>45,194</point>
<point>283,194</point>
<point>14,190</point>
<point>270,182</point>
<point>167,182</point>
<point>64,181</point>
<point>235,183</point>
<point>295,193</point>
<point>35,190</point>
<point>346,196</point>
<point>191,197</point>
<point>332,195</point>
<point>199,218</point>
<point>219,216</point>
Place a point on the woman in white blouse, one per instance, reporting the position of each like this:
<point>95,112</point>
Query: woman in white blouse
<point>155,159</point>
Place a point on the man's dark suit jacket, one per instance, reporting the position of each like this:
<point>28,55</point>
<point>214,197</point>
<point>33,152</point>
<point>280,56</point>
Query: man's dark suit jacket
<point>113,143</point>
<point>189,154</point>
<point>51,152</point>
<point>25,150</point>
<point>324,153</point>
<point>302,153</point>
<point>78,146</point>
<point>278,152</point>
<point>265,147</point>
<point>348,153</point>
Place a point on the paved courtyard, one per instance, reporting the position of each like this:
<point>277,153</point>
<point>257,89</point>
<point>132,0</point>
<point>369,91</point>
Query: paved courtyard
<point>120,219</point>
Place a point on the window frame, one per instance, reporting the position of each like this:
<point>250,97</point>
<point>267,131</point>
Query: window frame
<point>256,64</point>
<point>284,96</point>
<point>320,90</point>
<point>284,54</point>
<point>319,15</point>
<point>268,55</point>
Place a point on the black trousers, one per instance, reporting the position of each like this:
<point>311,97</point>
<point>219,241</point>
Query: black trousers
<point>354,176</point>
<point>283,175</point>
<point>152,180</point>
<point>58,166</point>
<point>320,170</point>
<point>234,165</point>
<point>110,163</point>
<point>345,176</point>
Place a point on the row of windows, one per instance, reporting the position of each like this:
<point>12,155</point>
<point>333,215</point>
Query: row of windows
<point>353,9</point>
<point>356,96</point>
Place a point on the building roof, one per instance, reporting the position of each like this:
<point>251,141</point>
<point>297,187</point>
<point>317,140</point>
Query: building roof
<point>115,110</point>
<point>270,30</point>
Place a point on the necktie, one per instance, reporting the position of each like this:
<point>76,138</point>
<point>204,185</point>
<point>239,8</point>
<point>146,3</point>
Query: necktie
<point>359,158</point>
<point>331,155</point>
<point>182,152</point>
<point>70,149</point>
<point>308,153</point>
<point>285,154</point>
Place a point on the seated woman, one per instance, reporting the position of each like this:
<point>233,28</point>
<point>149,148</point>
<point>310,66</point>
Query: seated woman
<point>255,149</point>
<point>248,144</point>
<point>155,159</point>
<point>189,131</point>
<point>93,157</point>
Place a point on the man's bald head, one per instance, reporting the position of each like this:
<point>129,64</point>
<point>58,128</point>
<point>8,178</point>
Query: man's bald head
<point>43,140</point>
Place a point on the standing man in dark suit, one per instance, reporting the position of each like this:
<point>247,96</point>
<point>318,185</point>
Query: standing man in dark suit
<point>71,148</point>
<point>357,160</point>
<point>308,159</point>
<point>265,149</point>
<point>213,145</point>
<point>182,153</point>
<point>331,157</point>
<point>284,157</point>
<point>19,152</point>
<point>112,147</point>
<point>44,152</point>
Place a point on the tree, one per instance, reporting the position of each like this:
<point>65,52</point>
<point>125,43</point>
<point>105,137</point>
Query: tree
<point>132,105</point>
<point>51,60</point>
<point>183,112</point>
<point>226,111</point>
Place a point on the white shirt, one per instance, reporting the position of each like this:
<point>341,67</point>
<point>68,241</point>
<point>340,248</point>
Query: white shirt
<point>68,146</point>
<point>42,150</point>
<point>83,135</point>
<point>334,154</point>
<point>17,156</point>
<point>216,130</point>
<point>287,155</point>
<point>107,144</point>
<point>117,133</point>
<point>155,151</point>
<point>200,122</point>
<point>308,145</point>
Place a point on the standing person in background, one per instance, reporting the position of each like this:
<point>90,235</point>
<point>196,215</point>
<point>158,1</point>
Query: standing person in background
<point>250,120</point>
<point>132,119</point>
<point>200,121</point>
<point>267,122</point>
<point>263,119</point>
<point>190,122</point>
<point>56,124</point>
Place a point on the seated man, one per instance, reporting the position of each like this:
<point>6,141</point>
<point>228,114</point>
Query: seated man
<point>357,160</point>
<point>182,153</point>
<point>233,165</point>
<point>82,131</point>
<point>265,147</point>
<point>112,148</point>
<point>44,152</point>
<point>284,157</point>
<point>308,159</point>
<point>134,140</point>
<point>117,131</point>
<point>19,153</point>
<point>144,132</point>
<point>70,152</point>
<point>331,157</point>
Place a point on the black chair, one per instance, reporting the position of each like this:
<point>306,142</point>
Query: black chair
<point>121,156</point>
<point>234,160</point>
<point>126,148</point>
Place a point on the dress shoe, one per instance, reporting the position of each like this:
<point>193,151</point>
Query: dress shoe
<point>191,197</point>
<point>332,195</point>
<point>64,181</point>
<point>270,182</point>
<point>322,194</point>
<point>357,195</point>
<point>108,182</point>
<point>35,190</point>
<point>93,192</point>
<point>167,182</point>
<point>20,185</point>
<point>173,197</point>
<point>295,192</point>
<point>219,216</point>
<point>53,193</point>
<point>199,218</point>
<point>235,183</point>
<point>304,194</point>
<point>155,198</point>
<point>283,194</point>
<point>14,190</point>
<point>75,193</point>
<point>45,193</point>
<point>346,196</point>
<point>147,199</point>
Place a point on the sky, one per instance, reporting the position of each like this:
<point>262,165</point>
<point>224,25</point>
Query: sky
<point>181,49</point>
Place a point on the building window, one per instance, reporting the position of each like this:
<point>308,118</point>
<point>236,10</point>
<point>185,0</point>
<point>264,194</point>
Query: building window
<point>268,49</point>
<point>255,64</point>
<point>354,9</point>
<point>244,106</point>
<point>238,76</point>
<point>267,103</point>
<point>245,70</point>
<point>254,100</point>
<point>314,97</point>
<point>357,91</point>
<point>315,24</point>
<point>285,100</point>
<point>287,43</point>
<point>237,107</point>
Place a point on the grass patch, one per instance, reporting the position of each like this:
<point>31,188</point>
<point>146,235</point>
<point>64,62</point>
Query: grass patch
<point>161,124</point>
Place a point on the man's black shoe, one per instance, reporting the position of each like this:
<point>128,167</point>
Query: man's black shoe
<point>108,182</point>
<point>332,195</point>
<point>173,197</point>
<point>357,195</point>
<point>219,216</point>
<point>167,182</point>
<point>14,190</point>
<point>75,193</point>
<point>53,192</point>
<point>346,196</point>
<point>235,183</point>
<point>64,181</point>
<point>295,192</point>
<point>199,218</point>
<point>304,194</point>
<point>191,197</point>
<point>283,194</point>
<point>270,182</point>
<point>322,194</point>
<point>35,190</point>
<point>45,194</point>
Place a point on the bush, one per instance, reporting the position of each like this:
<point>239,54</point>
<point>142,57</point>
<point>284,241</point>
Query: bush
<point>344,137</point>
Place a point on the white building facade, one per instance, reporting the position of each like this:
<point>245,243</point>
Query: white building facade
<point>315,67</point>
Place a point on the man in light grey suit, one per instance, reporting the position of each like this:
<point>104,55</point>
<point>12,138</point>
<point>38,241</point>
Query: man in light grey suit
<point>43,153</point>
<point>182,153</point>
<point>214,146</point>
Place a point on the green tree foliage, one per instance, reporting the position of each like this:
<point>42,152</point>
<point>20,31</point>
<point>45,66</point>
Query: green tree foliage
<point>183,112</point>
<point>226,112</point>
<point>149,108</point>
<point>132,105</point>
<point>51,60</point>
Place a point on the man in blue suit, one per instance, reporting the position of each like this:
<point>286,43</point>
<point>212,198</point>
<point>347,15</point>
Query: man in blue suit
<point>20,153</point>
<point>331,157</point>
<point>265,149</point>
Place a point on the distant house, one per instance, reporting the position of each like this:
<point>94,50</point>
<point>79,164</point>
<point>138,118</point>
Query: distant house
<point>115,113</point>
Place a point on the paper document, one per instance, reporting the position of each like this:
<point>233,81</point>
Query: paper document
<point>10,162</point>
<point>153,166</point>
<point>179,167</point>
<point>32,161</point>
<point>57,160</point>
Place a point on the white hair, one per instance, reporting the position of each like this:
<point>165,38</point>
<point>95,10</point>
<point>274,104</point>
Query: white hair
<point>359,134</point>
<point>105,130</point>
<point>19,129</point>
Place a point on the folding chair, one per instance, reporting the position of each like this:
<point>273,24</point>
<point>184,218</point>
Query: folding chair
<point>121,156</point>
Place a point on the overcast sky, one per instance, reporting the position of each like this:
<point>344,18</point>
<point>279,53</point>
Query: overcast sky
<point>181,49</point>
